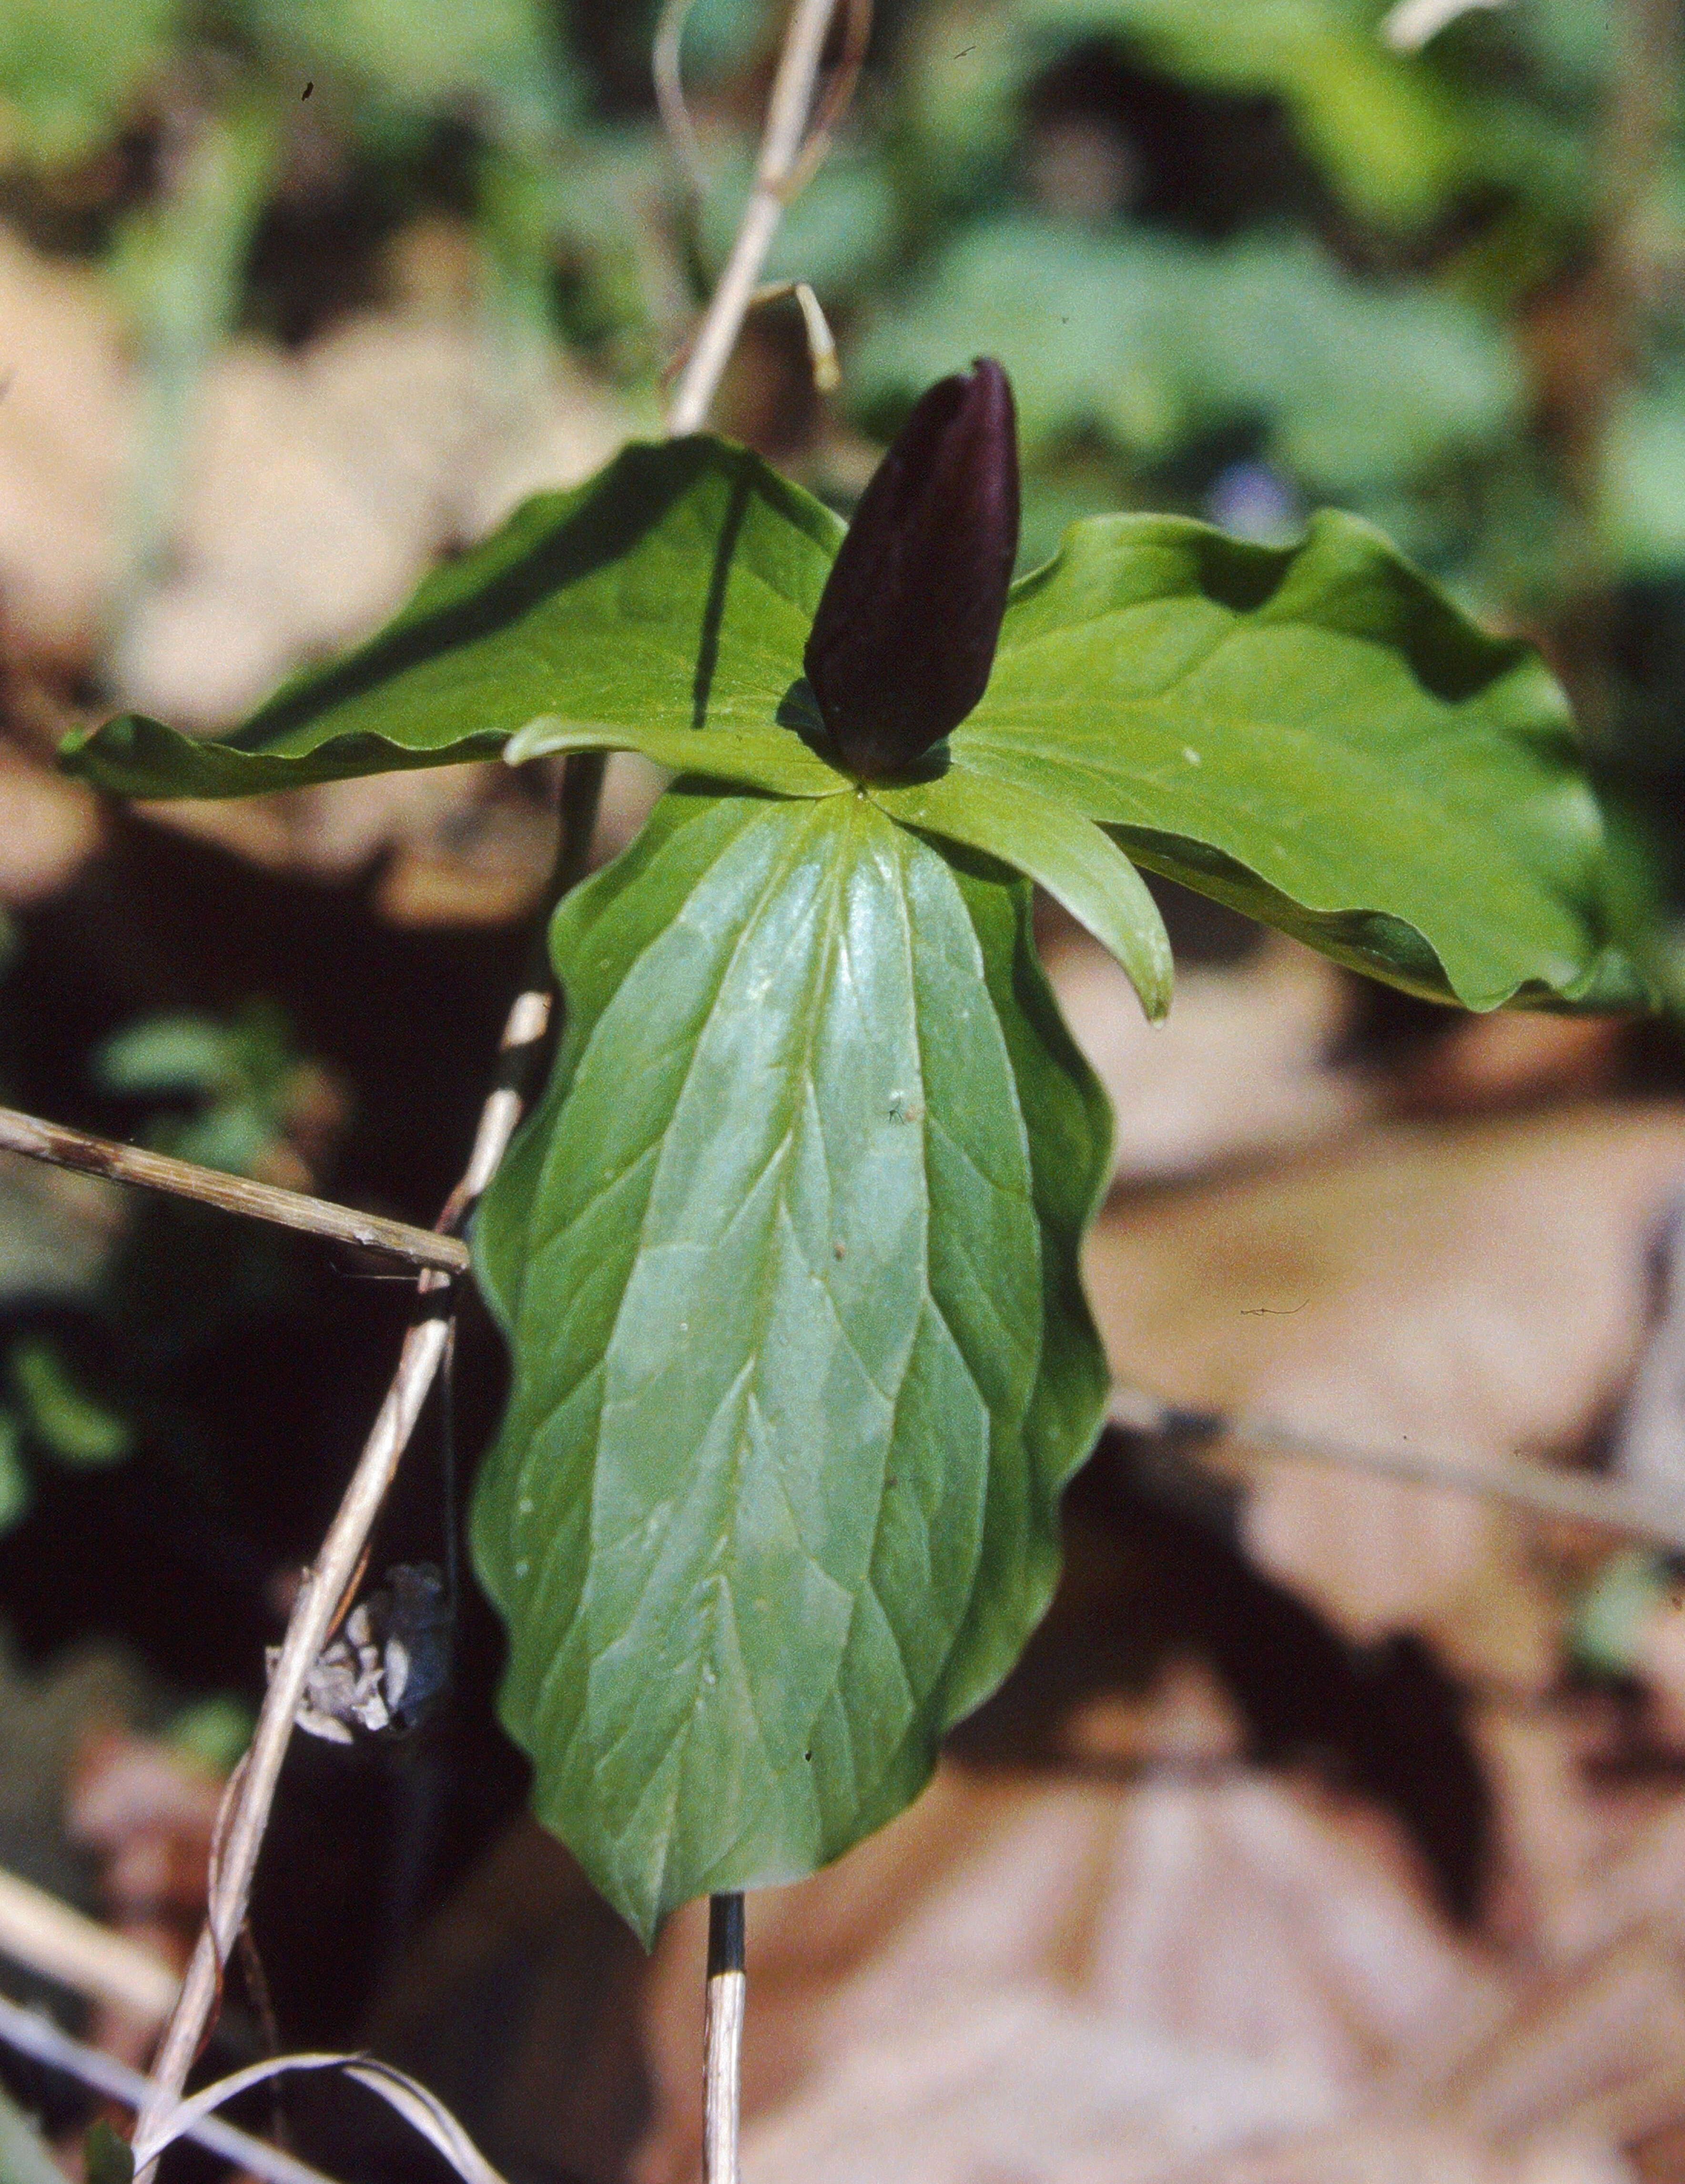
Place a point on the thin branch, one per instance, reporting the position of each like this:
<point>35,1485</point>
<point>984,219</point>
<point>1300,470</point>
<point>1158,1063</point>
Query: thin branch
<point>821,347</point>
<point>775,174</point>
<point>336,1567</point>
<point>837,100</point>
<point>233,1194</point>
<point>306,1633</point>
<point>669,93</point>
<point>728,1992</point>
<point>65,1945</point>
<point>1576,1497</point>
<point>37,2037</point>
<point>342,1551</point>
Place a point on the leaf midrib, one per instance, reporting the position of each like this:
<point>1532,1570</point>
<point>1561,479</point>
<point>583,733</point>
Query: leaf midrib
<point>744,1380</point>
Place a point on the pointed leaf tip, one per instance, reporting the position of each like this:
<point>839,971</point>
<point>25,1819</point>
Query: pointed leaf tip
<point>904,639</point>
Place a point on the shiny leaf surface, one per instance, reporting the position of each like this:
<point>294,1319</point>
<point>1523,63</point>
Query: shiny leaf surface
<point>672,594</point>
<point>1315,734</point>
<point>787,1259</point>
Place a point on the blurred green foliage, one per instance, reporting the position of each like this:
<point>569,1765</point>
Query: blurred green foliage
<point>236,1088</point>
<point>1150,344</point>
<point>13,1479</point>
<point>92,1308</point>
<point>59,1413</point>
<point>1241,256</point>
<point>1386,130</point>
<point>1195,230</point>
<point>71,70</point>
<point>213,1730</point>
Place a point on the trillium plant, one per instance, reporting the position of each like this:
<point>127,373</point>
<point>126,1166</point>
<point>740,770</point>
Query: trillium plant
<point>787,1255</point>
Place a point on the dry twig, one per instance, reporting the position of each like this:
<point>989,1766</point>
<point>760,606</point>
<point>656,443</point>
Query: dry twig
<point>39,2037</point>
<point>727,1995</point>
<point>781,169</point>
<point>669,93</point>
<point>65,1945</point>
<point>1575,1497</point>
<point>336,1567</point>
<point>784,163</point>
<point>233,1194</point>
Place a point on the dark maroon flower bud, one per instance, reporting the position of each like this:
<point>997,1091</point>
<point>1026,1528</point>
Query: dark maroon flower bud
<point>904,636</point>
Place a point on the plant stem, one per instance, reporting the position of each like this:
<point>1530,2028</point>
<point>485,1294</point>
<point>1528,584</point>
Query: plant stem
<point>37,2037</point>
<point>784,165</point>
<point>64,1944</point>
<point>1571,1496</point>
<point>781,153</point>
<point>722,2039</point>
<point>335,1569</point>
<point>233,1194</point>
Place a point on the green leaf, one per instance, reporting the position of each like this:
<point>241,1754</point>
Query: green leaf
<point>14,1487</point>
<point>769,758</point>
<point>174,1052</point>
<point>24,2155</point>
<point>671,594</point>
<point>1379,125</point>
<point>1315,735</point>
<point>70,70</point>
<point>1642,483</point>
<point>788,1260</point>
<point>1151,343</point>
<point>61,1415</point>
<point>1056,847</point>
<point>106,2157</point>
<point>1606,1627</point>
<point>216,1731</point>
<point>498,59</point>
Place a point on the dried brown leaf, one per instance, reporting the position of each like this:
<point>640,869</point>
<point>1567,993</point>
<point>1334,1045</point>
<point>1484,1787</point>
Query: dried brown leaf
<point>1239,1068</point>
<point>66,412</point>
<point>1481,1285</point>
<point>49,828</point>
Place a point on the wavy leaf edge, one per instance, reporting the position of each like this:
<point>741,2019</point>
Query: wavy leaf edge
<point>137,756</point>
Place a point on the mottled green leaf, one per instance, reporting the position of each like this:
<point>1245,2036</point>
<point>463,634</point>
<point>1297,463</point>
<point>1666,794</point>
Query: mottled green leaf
<point>787,1259</point>
<point>1150,343</point>
<point>672,593</point>
<point>1060,849</point>
<point>1315,734</point>
<point>1311,732</point>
